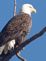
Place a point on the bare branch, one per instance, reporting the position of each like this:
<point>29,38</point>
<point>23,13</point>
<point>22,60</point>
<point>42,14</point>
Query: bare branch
<point>14,7</point>
<point>13,52</point>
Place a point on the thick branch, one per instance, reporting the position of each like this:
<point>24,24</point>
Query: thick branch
<point>10,54</point>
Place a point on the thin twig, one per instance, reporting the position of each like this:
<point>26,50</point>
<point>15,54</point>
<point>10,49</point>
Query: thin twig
<point>14,7</point>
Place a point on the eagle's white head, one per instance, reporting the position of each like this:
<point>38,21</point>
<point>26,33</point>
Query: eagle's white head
<point>28,9</point>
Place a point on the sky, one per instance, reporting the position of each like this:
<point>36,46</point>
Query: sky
<point>35,51</point>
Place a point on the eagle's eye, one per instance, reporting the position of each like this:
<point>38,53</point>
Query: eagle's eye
<point>30,7</point>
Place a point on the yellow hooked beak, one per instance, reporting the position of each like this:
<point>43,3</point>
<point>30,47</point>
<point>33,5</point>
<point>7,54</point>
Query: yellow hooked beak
<point>34,10</point>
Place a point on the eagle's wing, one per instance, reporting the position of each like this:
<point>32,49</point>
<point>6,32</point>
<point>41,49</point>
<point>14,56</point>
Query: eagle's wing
<point>9,30</point>
<point>15,28</point>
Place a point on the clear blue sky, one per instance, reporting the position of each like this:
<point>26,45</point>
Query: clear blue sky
<point>35,51</point>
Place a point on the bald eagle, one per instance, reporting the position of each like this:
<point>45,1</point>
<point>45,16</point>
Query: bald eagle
<point>15,31</point>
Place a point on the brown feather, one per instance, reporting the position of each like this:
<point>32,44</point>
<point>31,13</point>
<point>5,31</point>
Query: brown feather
<point>17,28</point>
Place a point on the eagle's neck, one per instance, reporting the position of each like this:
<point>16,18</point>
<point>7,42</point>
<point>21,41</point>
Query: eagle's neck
<point>26,11</point>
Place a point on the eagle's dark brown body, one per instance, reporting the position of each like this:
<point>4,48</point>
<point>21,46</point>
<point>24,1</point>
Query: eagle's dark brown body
<point>17,28</point>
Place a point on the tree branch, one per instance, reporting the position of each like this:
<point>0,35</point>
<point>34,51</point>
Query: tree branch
<point>14,7</point>
<point>13,52</point>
